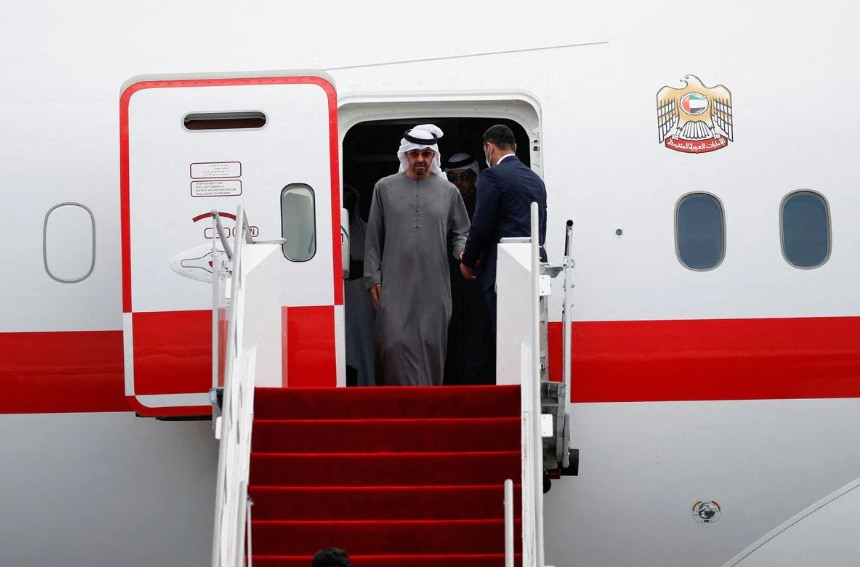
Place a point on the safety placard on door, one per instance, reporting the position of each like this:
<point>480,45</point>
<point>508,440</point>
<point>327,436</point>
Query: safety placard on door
<point>219,188</point>
<point>216,169</point>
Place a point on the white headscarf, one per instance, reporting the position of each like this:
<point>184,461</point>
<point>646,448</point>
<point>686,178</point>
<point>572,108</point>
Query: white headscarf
<point>423,136</point>
<point>462,161</point>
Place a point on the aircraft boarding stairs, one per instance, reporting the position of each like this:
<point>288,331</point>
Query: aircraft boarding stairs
<point>395,476</point>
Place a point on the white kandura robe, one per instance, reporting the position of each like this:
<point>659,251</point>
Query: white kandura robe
<point>412,227</point>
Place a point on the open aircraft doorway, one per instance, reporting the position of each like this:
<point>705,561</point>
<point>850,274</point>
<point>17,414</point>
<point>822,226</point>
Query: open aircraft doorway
<point>370,138</point>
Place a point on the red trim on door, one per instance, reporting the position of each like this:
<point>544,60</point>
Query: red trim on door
<point>725,359</point>
<point>337,267</point>
<point>172,352</point>
<point>309,346</point>
<point>124,207</point>
<point>79,371</point>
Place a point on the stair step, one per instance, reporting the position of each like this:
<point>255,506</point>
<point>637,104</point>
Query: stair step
<point>384,469</point>
<point>386,435</point>
<point>398,537</point>
<point>476,560</point>
<point>395,476</point>
<point>380,503</point>
<point>387,402</point>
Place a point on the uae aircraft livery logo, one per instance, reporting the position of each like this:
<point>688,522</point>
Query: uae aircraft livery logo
<point>694,119</point>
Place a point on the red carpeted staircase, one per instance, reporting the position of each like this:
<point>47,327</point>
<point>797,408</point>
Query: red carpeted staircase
<point>395,476</point>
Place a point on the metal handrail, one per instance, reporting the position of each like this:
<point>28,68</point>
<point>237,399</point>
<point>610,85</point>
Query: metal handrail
<point>220,230</point>
<point>509,523</point>
<point>249,503</point>
<point>232,513</point>
<point>566,308</point>
<point>537,440</point>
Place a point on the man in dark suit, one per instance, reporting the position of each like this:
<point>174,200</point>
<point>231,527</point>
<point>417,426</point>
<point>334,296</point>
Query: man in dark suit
<point>506,190</point>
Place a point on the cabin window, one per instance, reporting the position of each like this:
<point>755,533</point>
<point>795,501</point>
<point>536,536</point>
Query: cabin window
<point>69,242</point>
<point>700,231</point>
<point>298,223</point>
<point>224,120</point>
<point>805,229</point>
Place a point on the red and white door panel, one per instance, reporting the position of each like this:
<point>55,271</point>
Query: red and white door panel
<point>190,146</point>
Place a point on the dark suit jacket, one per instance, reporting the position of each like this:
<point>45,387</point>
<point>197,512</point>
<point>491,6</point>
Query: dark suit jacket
<point>505,194</point>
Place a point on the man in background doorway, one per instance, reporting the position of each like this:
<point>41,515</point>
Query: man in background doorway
<point>506,190</point>
<point>417,219</point>
<point>471,348</point>
<point>357,305</point>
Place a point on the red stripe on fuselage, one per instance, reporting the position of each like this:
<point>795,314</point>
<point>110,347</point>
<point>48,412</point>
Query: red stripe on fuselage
<point>723,359</point>
<point>613,361</point>
<point>61,372</point>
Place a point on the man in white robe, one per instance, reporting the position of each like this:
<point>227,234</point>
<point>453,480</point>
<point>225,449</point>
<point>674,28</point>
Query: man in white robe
<point>417,220</point>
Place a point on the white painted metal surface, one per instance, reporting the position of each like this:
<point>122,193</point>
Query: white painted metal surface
<point>517,279</point>
<point>162,154</point>
<point>533,383</point>
<point>513,282</point>
<point>252,359</point>
<point>824,534</point>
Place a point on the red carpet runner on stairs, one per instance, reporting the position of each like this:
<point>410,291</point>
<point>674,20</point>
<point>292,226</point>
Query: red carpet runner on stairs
<point>395,476</point>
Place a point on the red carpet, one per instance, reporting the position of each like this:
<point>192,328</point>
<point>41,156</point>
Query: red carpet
<point>394,476</point>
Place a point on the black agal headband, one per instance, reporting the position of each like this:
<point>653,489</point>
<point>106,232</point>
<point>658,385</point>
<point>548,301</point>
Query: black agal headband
<point>415,140</point>
<point>467,161</point>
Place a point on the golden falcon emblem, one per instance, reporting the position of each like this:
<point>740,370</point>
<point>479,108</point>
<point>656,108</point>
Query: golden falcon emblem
<point>694,118</point>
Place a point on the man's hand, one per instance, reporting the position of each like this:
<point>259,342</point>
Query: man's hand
<point>465,270</point>
<point>374,294</point>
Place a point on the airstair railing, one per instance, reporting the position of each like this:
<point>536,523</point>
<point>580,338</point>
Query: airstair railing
<point>566,309</point>
<point>534,384</point>
<point>509,523</point>
<point>219,230</point>
<point>233,426</point>
<point>221,270</point>
<point>519,275</point>
<point>521,359</point>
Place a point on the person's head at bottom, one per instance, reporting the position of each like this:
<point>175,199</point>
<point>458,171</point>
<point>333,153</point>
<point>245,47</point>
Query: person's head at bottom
<point>331,557</point>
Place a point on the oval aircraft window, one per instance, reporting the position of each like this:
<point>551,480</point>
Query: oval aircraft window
<point>69,242</point>
<point>805,229</point>
<point>298,223</point>
<point>700,233</point>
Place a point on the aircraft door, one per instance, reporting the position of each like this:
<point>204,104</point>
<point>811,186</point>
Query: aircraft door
<point>190,146</point>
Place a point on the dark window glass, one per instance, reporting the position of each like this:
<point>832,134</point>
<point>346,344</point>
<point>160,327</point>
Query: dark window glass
<point>224,120</point>
<point>298,226</point>
<point>805,229</point>
<point>700,231</point>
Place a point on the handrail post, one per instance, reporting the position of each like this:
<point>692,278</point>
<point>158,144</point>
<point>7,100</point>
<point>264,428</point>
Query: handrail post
<point>216,294</point>
<point>221,236</point>
<point>536,400</point>
<point>509,523</point>
<point>249,547</point>
<point>566,309</point>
